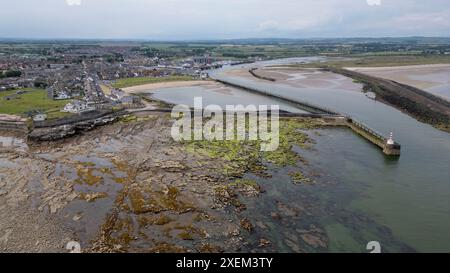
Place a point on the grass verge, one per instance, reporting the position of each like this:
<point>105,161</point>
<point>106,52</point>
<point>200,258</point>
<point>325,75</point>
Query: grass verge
<point>11,102</point>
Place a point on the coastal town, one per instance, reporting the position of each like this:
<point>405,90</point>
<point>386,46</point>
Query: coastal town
<point>88,158</point>
<point>235,136</point>
<point>85,77</point>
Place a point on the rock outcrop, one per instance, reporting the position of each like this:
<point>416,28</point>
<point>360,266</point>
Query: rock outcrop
<point>42,132</point>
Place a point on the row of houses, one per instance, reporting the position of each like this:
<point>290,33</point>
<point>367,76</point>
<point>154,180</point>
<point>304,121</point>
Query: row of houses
<point>14,83</point>
<point>78,106</point>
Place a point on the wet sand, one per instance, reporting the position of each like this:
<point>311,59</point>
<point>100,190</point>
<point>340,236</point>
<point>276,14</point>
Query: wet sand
<point>211,92</point>
<point>432,78</point>
<point>155,86</point>
<point>300,78</point>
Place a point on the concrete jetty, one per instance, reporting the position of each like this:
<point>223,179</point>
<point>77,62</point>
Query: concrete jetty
<point>301,105</point>
<point>388,145</point>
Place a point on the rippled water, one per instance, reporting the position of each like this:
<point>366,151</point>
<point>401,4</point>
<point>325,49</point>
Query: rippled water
<point>232,96</point>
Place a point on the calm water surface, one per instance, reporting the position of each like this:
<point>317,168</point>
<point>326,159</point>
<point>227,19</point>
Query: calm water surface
<point>409,196</point>
<point>232,96</point>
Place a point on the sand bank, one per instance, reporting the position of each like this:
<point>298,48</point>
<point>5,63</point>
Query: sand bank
<point>432,78</point>
<point>300,78</point>
<point>406,67</point>
<point>161,85</point>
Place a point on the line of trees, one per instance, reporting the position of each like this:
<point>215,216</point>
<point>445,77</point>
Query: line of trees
<point>10,74</point>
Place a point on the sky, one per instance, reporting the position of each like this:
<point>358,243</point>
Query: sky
<point>222,19</point>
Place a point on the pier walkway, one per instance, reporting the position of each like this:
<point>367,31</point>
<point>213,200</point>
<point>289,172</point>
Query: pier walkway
<point>388,146</point>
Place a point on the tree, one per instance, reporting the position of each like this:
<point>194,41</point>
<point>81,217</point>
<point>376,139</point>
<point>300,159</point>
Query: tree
<point>12,73</point>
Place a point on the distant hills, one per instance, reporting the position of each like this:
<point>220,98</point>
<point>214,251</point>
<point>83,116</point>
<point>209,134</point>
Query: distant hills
<point>252,41</point>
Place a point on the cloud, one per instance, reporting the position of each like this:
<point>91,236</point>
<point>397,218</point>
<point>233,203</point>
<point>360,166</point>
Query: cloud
<point>374,2</point>
<point>268,25</point>
<point>297,18</point>
<point>421,20</point>
<point>73,2</point>
<point>206,19</point>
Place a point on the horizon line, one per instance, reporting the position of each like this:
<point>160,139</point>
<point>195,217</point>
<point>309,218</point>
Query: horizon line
<point>213,39</point>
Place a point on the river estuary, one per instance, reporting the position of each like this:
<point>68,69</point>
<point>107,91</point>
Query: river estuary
<point>408,197</point>
<point>363,196</point>
<point>356,195</point>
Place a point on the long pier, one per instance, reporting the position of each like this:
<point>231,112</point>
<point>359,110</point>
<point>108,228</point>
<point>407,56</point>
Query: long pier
<point>388,146</point>
<point>302,105</point>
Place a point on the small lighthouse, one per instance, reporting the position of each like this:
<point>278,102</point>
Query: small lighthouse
<point>392,148</point>
<point>391,139</point>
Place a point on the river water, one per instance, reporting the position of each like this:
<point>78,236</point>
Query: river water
<point>405,202</point>
<point>232,96</point>
<point>362,195</point>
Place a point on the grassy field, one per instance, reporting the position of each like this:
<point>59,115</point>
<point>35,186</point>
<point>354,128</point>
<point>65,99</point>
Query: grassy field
<point>33,99</point>
<point>263,51</point>
<point>128,82</point>
<point>232,51</point>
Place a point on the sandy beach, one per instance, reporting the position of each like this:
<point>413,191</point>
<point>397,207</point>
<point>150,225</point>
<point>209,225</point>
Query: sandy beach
<point>405,67</point>
<point>420,76</point>
<point>432,78</point>
<point>155,86</point>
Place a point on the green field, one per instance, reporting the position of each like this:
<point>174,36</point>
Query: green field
<point>128,82</point>
<point>32,100</point>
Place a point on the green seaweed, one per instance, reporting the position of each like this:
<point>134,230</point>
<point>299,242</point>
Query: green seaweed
<point>242,156</point>
<point>245,182</point>
<point>299,178</point>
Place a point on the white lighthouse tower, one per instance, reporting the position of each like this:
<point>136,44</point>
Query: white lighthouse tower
<point>391,148</point>
<point>391,139</point>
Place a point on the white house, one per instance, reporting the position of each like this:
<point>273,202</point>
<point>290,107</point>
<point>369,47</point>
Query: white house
<point>40,117</point>
<point>116,94</point>
<point>62,96</point>
<point>76,107</point>
<point>204,76</point>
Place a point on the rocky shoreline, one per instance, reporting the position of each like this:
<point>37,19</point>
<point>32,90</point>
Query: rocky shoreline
<point>128,187</point>
<point>70,127</point>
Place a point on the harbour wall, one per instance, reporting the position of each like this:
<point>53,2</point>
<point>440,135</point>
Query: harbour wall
<point>317,111</point>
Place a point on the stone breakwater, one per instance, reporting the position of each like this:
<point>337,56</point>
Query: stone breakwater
<point>319,111</point>
<point>421,105</point>
<point>254,74</point>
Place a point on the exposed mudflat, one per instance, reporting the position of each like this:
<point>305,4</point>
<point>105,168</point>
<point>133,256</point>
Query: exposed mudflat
<point>301,78</point>
<point>432,78</point>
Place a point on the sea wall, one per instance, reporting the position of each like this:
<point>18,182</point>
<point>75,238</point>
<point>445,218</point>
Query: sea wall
<point>419,104</point>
